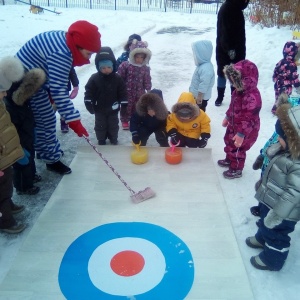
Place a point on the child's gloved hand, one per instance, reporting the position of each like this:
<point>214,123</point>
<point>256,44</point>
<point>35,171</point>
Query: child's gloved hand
<point>173,133</point>
<point>204,139</point>
<point>1,174</point>
<point>89,106</point>
<point>272,219</point>
<point>77,127</point>
<point>25,159</point>
<point>199,98</point>
<point>225,122</point>
<point>238,140</point>
<point>74,92</point>
<point>135,138</point>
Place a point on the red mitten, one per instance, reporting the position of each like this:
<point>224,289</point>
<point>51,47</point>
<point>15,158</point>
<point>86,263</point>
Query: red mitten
<point>78,128</point>
<point>225,122</point>
<point>238,140</point>
<point>74,92</point>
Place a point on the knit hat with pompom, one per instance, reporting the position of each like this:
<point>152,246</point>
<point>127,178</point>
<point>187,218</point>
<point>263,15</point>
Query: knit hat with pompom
<point>11,70</point>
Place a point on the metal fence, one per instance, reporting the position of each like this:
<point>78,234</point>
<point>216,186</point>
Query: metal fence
<point>187,6</point>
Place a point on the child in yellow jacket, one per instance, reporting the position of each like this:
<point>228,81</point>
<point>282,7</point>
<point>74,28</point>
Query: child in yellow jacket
<point>188,125</point>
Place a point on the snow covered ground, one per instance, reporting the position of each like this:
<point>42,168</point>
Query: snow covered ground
<point>169,36</point>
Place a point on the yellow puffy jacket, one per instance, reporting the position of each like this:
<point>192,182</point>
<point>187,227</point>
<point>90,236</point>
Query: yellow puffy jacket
<point>194,128</point>
<point>10,148</point>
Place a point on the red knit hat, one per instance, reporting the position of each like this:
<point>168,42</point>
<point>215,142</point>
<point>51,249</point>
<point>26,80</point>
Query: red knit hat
<point>85,35</point>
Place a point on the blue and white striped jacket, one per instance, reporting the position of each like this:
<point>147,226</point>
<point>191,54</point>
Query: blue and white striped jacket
<point>49,51</point>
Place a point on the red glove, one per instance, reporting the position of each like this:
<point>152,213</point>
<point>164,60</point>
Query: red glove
<point>77,127</point>
<point>74,92</point>
<point>238,140</point>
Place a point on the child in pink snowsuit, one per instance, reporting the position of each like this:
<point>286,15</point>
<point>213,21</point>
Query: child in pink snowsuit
<point>242,117</point>
<point>136,75</point>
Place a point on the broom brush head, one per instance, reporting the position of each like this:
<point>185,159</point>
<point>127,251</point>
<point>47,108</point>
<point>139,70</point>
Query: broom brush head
<point>143,195</point>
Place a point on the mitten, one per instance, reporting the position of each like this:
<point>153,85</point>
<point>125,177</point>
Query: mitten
<point>238,140</point>
<point>115,106</point>
<point>199,98</point>
<point>135,138</point>
<point>78,128</point>
<point>272,219</point>
<point>231,54</point>
<point>225,122</point>
<point>25,159</point>
<point>1,174</point>
<point>74,92</point>
<point>89,106</point>
<point>173,134</point>
<point>204,139</point>
<point>298,90</point>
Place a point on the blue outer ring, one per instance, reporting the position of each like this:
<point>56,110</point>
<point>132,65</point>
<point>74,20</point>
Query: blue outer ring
<point>73,275</point>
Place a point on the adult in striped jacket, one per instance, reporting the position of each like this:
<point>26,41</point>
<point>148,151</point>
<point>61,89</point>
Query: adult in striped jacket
<point>56,52</point>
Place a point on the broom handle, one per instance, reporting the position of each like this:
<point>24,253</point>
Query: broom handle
<point>110,166</point>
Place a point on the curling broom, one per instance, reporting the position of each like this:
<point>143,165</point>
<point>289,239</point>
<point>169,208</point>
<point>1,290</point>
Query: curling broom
<point>140,196</point>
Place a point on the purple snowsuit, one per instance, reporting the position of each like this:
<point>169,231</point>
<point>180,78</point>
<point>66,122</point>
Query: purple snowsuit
<point>137,80</point>
<point>243,114</point>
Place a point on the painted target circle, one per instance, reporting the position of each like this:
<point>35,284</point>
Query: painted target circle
<point>126,260</point>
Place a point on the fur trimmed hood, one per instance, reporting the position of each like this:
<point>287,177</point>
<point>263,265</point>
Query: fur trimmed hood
<point>21,91</point>
<point>243,75</point>
<point>186,103</point>
<point>139,47</point>
<point>153,101</point>
<point>289,118</point>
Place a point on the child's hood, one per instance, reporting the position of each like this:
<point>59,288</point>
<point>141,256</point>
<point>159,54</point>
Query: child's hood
<point>105,54</point>
<point>23,90</point>
<point>244,74</point>
<point>186,101</point>
<point>139,47</point>
<point>289,118</point>
<point>290,51</point>
<point>202,51</point>
<point>152,101</point>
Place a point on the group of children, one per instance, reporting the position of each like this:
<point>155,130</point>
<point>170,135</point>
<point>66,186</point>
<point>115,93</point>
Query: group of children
<point>124,86</point>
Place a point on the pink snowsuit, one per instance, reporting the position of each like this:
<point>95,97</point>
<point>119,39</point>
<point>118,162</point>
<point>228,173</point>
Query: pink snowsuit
<point>243,114</point>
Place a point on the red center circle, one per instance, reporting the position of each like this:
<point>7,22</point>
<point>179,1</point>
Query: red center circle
<point>127,263</point>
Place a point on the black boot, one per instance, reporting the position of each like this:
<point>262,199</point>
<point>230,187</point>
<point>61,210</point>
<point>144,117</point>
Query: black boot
<point>59,167</point>
<point>221,92</point>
